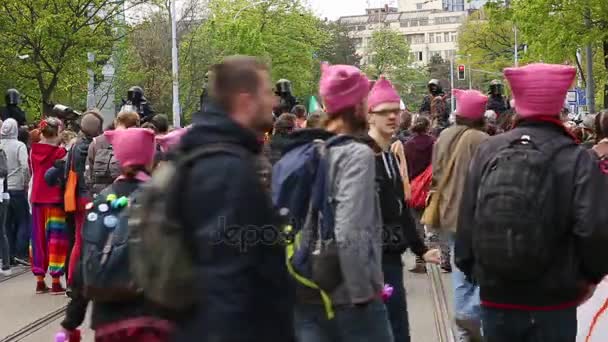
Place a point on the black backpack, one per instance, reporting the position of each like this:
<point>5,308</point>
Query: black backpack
<point>514,237</point>
<point>105,270</point>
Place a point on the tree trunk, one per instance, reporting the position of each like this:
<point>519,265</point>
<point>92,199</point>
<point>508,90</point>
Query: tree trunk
<point>605,45</point>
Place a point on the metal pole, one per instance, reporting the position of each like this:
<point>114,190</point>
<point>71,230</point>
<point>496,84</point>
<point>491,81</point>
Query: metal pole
<point>516,48</point>
<point>175,67</point>
<point>590,79</point>
<point>469,68</point>
<point>91,84</point>
<point>453,105</point>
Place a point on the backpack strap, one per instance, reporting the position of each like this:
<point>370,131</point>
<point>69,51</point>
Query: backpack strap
<point>186,161</point>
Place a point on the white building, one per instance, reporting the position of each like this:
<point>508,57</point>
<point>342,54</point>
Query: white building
<point>430,31</point>
<point>444,5</point>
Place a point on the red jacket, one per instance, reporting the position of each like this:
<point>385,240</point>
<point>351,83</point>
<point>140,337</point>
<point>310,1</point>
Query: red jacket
<point>42,158</point>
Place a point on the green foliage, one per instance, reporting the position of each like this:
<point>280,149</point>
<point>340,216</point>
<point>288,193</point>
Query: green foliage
<point>56,35</point>
<point>388,53</point>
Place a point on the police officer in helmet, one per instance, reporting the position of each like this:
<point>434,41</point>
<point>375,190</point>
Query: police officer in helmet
<point>286,100</point>
<point>137,102</point>
<point>496,100</point>
<point>12,99</point>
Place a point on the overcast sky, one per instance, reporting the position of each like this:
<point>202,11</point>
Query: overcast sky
<point>333,9</point>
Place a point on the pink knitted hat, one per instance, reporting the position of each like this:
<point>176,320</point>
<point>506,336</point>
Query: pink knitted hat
<point>171,139</point>
<point>382,92</point>
<point>470,104</point>
<point>133,146</point>
<point>342,87</point>
<point>540,89</point>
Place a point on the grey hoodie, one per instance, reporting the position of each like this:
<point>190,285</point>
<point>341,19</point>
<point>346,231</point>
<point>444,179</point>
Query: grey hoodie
<point>358,222</point>
<point>16,156</point>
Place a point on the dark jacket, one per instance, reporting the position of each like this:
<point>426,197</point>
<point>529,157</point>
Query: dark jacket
<point>419,154</point>
<point>77,159</point>
<point>580,218</point>
<point>399,227</point>
<point>105,313</point>
<point>242,279</point>
<point>14,112</point>
<point>497,103</point>
<point>277,144</point>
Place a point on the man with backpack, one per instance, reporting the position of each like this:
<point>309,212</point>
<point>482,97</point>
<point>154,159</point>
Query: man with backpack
<point>532,231</point>
<point>450,162</point>
<point>241,285</point>
<point>102,167</point>
<point>336,258</point>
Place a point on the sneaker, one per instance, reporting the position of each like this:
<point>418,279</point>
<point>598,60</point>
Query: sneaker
<point>22,261</point>
<point>6,271</point>
<point>57,289</point>
<point>41,287</point>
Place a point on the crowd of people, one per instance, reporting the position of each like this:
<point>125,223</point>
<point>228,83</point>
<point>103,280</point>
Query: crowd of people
<point>254,226</point>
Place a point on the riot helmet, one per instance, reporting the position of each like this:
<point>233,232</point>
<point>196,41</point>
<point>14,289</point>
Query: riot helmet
<point>135,94</point>
<point>12,97</point>
<point>283,86</point>
<point>434,87</point>
<point>496,87</point>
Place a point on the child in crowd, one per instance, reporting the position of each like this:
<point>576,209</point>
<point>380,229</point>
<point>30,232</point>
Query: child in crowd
<point>49,244</point>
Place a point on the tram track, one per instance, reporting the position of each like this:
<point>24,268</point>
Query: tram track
<point>441,313</point>
<point>22,271</point>
<point>36,325</point>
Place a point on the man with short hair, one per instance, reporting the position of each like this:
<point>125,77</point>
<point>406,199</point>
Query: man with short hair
<point>239,260</point>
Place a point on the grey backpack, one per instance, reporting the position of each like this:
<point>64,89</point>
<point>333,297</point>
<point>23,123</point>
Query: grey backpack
<point>105,167</point>
<point>3,164</point>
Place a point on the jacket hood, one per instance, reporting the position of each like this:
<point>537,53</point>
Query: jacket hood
<point>9,129</point>
<point>304,136</point>
<point>46,154</point>
<point>215,126</point>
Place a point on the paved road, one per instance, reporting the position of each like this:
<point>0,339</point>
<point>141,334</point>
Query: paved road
<point>20,306</point>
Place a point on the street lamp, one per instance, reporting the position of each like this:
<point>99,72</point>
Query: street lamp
<point>175,67</point>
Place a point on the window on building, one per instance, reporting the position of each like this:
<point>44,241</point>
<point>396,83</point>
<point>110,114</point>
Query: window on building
<point>417,38</point>
<point>423,21</point>
<point>419,6</point>
<point>413,22</point>
<point>361,28</point>
<point>431,38</point>
<point>438,38</point>
<point>454,36</point>
<point>417,56</point>
<point>446,37</point>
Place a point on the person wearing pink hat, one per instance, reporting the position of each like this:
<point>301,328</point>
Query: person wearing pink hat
<point>451,156</point>
<point>398,222</point>
<point>531,228</point>
<point>360,314</point>
<point>130,319</point>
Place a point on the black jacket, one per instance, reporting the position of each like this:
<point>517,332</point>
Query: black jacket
<point>580,218</point>
<point>77,159</point>
<point>242,279</point>
<point>497,103</point>
<point>14,112</point>
<point>105,313</point>
<point>399,228</point>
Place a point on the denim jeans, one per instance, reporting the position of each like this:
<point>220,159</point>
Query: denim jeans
<point>397,303</point>
<point>350,324</point>
<point>18,224</point>
<point>529,326</point>
<point>466,295</point>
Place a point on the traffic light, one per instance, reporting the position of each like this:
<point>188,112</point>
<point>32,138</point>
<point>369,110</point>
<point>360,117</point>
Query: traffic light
<point>461,72</point>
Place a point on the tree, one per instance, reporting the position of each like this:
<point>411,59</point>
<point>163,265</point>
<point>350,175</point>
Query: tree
<point>488,37</point>
<point>341,48</point>
<point>56,36</point>
<point>388,52</point>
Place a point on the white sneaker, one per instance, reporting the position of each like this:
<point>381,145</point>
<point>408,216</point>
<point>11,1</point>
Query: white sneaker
<point>6,272</point>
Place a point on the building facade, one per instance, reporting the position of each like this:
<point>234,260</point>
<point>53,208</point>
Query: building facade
<point>428,32</point>
<point>442,5</point>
